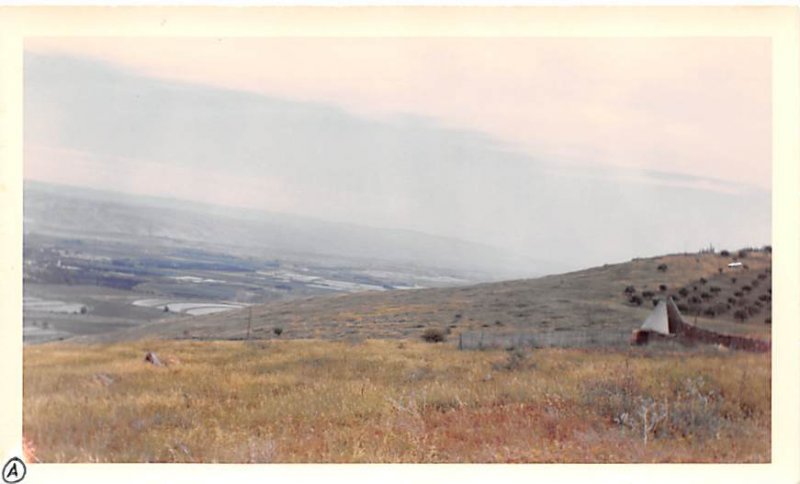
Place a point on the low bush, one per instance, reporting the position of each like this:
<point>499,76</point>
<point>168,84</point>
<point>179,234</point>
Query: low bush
<point>693,411</point>
<point>662,267</point>
<point>518,359</point>
<point>434,335</point>
<point>662,287</point>
<point>635,300</point>
<point>683,292</point>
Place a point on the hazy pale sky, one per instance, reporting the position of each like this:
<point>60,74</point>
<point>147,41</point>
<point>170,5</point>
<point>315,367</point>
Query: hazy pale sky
<point>580,149</point>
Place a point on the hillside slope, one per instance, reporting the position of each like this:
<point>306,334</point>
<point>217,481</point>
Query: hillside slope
<point>587,307</point>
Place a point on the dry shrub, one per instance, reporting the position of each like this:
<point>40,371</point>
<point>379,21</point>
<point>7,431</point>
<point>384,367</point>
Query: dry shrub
<point>692,411</point>
<point>434,335</point>
<point>517,359</point>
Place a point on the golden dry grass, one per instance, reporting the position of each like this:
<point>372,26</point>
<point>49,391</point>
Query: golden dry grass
<point>390,401</point>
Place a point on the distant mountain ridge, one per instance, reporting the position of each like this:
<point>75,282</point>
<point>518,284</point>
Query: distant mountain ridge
<point>87,213</point>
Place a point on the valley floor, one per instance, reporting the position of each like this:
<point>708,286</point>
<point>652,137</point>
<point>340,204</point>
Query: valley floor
<point>393,401</point>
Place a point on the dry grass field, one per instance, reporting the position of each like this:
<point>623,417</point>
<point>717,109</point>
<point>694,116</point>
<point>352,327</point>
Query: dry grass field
<point>393,401</point>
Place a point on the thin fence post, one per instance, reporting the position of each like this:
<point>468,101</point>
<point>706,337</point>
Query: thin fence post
<point>249,321</point>
<point>460,341</point>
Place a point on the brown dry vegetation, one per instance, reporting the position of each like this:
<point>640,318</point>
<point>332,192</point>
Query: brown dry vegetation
<point>392,401</point>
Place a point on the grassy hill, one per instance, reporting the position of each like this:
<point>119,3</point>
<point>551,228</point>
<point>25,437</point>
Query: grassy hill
<point>584,308</point>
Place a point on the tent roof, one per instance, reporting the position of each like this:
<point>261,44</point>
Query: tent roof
<point>665,318</point>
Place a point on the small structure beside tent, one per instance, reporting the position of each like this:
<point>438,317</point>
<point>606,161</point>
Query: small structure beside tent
<point>666,322</point>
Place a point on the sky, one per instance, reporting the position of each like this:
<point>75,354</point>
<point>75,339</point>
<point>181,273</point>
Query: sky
<point>580,150</point>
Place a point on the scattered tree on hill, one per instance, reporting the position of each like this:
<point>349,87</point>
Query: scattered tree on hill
<point>725,253</point>
<point>635,300</point>
<point>662,268</point>
<point>277,330</point>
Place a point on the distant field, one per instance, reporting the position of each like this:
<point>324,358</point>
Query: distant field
<point>393,401</point>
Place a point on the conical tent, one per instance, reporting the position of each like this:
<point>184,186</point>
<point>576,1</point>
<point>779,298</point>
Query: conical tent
<point>665,318</point>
